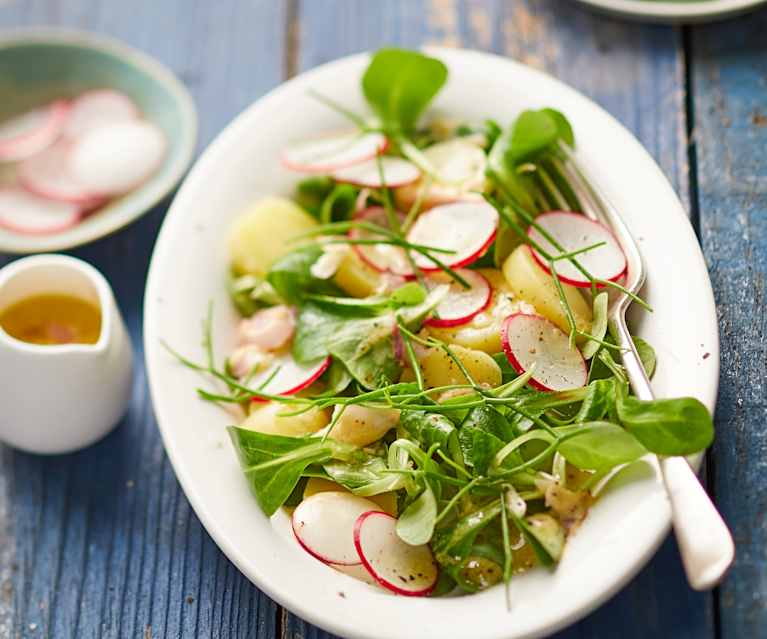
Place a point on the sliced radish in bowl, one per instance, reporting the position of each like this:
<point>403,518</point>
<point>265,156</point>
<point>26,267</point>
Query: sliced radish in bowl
<point>461,304</point>
<point>27,213</point>
<point>532,340</point>
<point>384,258</point>
<point>324,525</point>
<point>392,172</point>
<point>48,175</point>
<point>395,565</point>
<point>459,163</point>
<point>574,231</point>
<point>466,228</point>
<point>285,376</point>
<point>333,152</point>
<point>96,108</point>
<point>116,158</point>
<point>33,131</point>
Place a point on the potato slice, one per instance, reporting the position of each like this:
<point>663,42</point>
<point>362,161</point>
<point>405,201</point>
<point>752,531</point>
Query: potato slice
<point>264,232</point>
<point>440,370</point>
<point>531,283</point>
<point>360,426</point>
<point>355,277</point>
<point>270,418</point>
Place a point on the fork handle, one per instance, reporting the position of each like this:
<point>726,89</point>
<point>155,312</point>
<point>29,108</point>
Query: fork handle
<point>705,542</point>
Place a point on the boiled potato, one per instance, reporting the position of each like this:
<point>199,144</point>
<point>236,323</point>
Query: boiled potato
<point>355,277</point>
<point>386,501</point>
<point>531,283</point>
<point>263,233</point>
<point>271,418</point>
<point>360,426</point>
<point>483,332</point>
<point>440,370</point>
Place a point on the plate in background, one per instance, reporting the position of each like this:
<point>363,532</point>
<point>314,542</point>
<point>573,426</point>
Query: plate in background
<point>679,11</point>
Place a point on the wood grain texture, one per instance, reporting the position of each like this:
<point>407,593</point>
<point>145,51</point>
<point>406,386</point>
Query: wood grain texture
<point>729,93</point>
<point>103,543</point>
<point>638,74</point>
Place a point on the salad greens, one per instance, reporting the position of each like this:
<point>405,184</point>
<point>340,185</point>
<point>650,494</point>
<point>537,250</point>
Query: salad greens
<point>491,472</point>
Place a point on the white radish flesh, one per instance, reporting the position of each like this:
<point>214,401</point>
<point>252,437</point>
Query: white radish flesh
<point>48,175</point>
<point>333,152</point>
<point>33,131</point>
<point>285,376</point>
<point>382,257</point>
<point>27,213</point>
<point>113,159</point>
<point>392,172</point>
<point>466,228</point>
<point>97,108</point>
<point>532,340</point>
<point>461,304</point>
<point>574,231</point>
<point>395,565</point>
<point>459,163</point>
<point>324,525</point>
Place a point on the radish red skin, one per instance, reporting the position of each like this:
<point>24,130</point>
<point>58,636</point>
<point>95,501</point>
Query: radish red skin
<point>369,214</point>
<point>439,322</point>
<point>582,283</point>
<point>46,134</point>
<point>72,220</point>
<point>305,384</point>
<point>371,569</point>
<point>329,168</point>
<point>516,364</point>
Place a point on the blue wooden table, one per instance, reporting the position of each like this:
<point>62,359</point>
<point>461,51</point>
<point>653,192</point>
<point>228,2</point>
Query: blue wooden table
<point>103,543</point>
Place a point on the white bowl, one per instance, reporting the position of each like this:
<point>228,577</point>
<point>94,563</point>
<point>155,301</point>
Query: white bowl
<point>188,270</point>
<point>678,11</point>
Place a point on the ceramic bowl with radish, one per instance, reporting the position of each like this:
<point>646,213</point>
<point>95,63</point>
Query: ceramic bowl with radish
<point>410,418</point>
<point>93,135</point>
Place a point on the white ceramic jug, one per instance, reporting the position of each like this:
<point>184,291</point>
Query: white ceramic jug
<point>58,398</point>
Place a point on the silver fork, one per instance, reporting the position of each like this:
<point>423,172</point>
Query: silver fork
<point>704,540</point>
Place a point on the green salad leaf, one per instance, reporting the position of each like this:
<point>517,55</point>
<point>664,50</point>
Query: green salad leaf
<point>399,85</point>
<point>599,445</point>
<point>291,276</point>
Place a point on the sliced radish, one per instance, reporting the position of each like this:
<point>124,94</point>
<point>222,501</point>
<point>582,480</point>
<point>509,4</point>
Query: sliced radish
<point>48,176</point>
<point>324,525</point>
<point>116,158</point>
<point>333,152</point>
<point>467,228</point>
<point>384,258</point>
<point>33,131</point>
<point>285,376</point>
<point>574,231</point>
<point>461,304</point>
<point>27,213</point>
<point>393,172</point>
<point>357,571</point>
<point>459,163</point>
<point>96,108</point>
<point>533,340</point>
<point>397,566</point>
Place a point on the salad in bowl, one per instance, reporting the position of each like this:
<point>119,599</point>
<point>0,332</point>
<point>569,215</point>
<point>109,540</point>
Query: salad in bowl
<point>424,374</point>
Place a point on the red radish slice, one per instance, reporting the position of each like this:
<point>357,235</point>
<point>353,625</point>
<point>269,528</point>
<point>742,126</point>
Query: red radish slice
<point>397,566</point>
<point>461,304</point>
<point>533,340</point>
<point>458,162</point>
<point>27,213</point>
<point>285,376</point>
<point>574,231</point>
<point>467,228</point>
<point>333,152</point>
<point>324,525</point>
<point>116,158</point>
<point>384,258</point>
<point>96,108</point>
<point>396,172</point>
<point>33,131</point>
<point>48,175</point>
<point>357,571</point>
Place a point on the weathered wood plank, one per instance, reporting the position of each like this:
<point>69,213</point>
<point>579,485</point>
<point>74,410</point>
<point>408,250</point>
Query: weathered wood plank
<point>103,543</point>
<point>729,90</point>
<point>637,73</point>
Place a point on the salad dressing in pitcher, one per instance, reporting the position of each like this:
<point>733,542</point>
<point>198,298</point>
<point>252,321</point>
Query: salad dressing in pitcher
<point>52,318</point>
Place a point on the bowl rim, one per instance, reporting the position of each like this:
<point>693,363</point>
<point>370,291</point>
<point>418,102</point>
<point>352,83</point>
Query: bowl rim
<point>674,12</point>
<point>147,196</point>
<point>661,524</point>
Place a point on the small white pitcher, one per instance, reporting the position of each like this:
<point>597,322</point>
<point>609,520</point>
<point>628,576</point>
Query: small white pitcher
<point>59,398</point>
